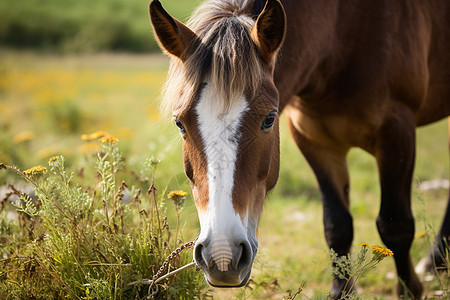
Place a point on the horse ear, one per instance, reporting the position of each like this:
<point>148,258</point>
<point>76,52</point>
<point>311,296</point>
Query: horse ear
<point>172,35</point>
<point>269,30</point>
<point>258,7</point>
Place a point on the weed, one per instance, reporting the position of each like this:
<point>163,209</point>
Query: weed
<point>89,242</point>
<point>291,296</point>
<point>352,268</point>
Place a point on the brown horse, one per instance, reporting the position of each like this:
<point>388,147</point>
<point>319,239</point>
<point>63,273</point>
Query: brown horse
<point>349,74</point>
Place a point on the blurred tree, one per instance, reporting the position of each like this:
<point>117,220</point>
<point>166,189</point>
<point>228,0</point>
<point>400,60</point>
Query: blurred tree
<point>82,25</point>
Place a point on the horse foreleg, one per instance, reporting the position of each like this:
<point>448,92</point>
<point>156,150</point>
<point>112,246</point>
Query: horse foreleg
<point>395,153</point>
<point>330,168</point>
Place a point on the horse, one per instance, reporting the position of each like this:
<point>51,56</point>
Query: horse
<point>346,74</point>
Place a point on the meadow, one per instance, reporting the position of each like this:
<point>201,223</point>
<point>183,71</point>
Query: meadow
<point>48,101</point>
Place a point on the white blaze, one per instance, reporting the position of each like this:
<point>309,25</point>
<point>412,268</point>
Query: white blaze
<point>220,135</point>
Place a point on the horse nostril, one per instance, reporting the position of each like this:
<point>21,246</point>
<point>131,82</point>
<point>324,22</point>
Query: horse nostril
<point>243,257</point>
<point>218,259</point>
<point>198,255</point>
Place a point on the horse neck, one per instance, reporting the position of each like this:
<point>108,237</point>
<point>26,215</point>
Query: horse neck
<point>310,41</point>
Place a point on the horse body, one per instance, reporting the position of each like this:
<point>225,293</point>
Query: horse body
<point>339,54</point>
<point>367,74</point>
<point>349,74</point>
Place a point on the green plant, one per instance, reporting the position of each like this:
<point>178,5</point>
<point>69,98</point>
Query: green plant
<point>352,268</point>
<point>89,241</point>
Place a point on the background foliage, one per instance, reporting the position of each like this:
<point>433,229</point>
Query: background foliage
<point>82,25</point>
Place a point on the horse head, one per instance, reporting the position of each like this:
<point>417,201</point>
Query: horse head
<point>223,99</point>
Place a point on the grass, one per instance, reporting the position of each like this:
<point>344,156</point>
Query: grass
<point>48,101</point>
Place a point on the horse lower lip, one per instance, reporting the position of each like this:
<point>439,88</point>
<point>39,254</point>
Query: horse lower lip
<point>222,282</point>
<point>228,285</point>
<point>225,285</point>
<point>230,279</point>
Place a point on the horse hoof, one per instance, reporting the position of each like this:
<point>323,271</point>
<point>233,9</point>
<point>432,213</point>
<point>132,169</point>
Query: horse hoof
<point>412,289</point>
<point>342,288</point>
<point>433,263</point>
<point>424,266</point>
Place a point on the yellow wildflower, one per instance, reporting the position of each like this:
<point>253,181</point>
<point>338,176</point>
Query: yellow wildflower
<point>178,197</point>
<point>94,135</point>
<point>53,159</point>
<point>36,170</point>
<point>109,139</point>
<point>378,252</point>
<point>177,193</point>
<point>23,136</point>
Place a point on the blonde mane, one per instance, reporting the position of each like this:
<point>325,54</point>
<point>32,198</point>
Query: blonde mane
<point>227,56</point>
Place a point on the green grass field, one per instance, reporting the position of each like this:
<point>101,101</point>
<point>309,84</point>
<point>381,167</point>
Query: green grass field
<point>48,101</point>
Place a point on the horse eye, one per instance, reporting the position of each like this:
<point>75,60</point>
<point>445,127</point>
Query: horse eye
<point>180,126</point>
<point>268,121</point>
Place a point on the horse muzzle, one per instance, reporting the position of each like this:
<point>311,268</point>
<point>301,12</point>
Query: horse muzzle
<point>225,263</point>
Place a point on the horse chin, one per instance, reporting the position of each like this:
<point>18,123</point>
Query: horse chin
<point>220,283</point>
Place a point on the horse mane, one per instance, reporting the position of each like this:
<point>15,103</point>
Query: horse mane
<point>226,55</point>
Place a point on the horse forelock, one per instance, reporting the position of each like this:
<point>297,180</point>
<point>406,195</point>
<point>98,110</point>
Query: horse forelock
<point>226,57</point>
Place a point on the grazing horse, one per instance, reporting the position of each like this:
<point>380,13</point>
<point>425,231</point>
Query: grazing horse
<point>346,73</point>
